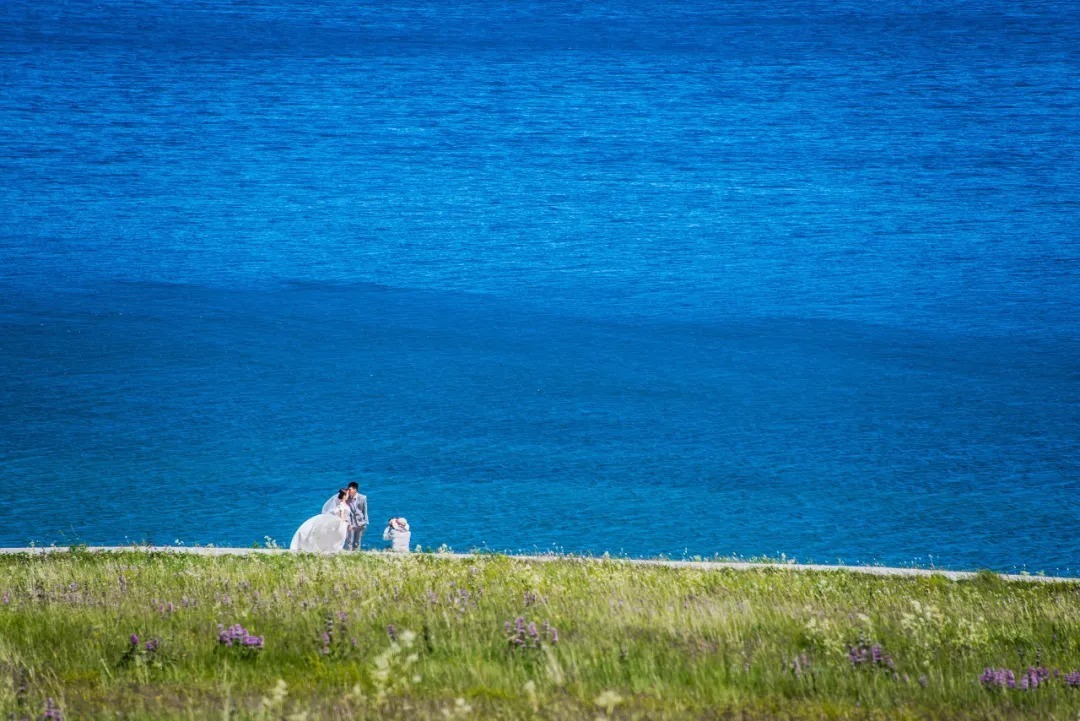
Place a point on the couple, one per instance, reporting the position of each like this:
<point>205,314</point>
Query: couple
<point>341,524</point>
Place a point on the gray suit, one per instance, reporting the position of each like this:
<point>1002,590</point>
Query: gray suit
<point>358,522</point>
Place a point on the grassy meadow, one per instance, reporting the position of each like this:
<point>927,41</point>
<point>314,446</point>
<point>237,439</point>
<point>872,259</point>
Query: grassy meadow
<point>139,635</point>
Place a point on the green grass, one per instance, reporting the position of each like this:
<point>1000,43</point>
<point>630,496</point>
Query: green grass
<point>634,641</point>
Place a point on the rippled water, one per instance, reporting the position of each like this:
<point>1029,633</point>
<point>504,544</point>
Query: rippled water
<point>766,278</point>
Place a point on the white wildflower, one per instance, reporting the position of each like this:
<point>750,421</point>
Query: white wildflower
<point>608,700</point>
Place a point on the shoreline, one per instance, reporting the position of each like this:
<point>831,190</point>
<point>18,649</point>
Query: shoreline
<point>702,565</point>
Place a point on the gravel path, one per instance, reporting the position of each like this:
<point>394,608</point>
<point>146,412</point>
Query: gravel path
<point>707,565</point>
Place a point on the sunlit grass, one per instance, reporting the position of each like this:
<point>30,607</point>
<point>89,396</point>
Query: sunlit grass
<point>377,636</point>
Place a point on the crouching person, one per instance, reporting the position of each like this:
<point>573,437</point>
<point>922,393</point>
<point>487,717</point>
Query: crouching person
<point>397,532</point>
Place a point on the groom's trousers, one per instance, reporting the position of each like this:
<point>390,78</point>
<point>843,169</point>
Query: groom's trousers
<point>353,537</point>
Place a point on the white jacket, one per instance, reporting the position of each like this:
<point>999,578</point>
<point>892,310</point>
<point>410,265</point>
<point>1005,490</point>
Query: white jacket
<point>400,539</point>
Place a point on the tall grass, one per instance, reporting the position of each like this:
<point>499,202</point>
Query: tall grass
<point>420,636</point>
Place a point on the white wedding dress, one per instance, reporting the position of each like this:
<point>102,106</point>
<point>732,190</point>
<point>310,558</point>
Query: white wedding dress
<point>324,533</point>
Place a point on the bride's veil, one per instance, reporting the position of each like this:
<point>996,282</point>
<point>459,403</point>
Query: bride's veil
<point>331,505</point>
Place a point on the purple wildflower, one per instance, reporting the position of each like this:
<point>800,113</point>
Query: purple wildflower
<point>997,678</point>
<point>152,645</point>
<point>800,665</point>
<point>1030,679</point>
<point>872,656</point>
<point>7,597</point>
<point>1033,677</point>
<point>134,640</point>
<point>391,632</point>
<point>52,711</point>
<point>239,636</point>
<point>923,681</point>
<point>521,634</point>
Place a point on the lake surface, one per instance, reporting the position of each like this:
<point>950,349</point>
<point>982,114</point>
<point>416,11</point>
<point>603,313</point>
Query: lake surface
<point>751,278</point>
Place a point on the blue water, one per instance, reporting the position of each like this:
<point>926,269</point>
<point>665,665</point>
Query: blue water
<point>650,278</point>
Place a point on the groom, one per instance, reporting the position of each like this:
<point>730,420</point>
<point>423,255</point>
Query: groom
<point>358,518</point>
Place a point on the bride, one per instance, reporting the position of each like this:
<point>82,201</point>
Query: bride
<point>324,533</point>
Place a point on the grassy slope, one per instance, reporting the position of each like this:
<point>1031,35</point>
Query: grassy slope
<point>648,642</point>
